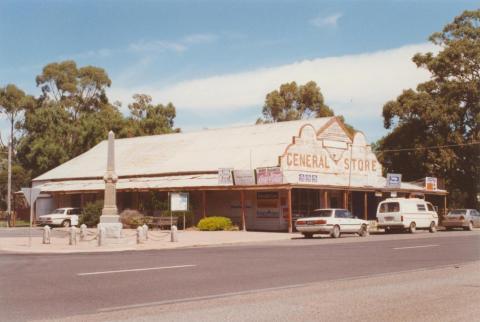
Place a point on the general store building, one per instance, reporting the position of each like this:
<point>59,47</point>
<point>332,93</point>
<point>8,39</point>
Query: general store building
<point>261,176</point>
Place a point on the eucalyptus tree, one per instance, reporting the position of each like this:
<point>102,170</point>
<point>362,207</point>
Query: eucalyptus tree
<point>441,118</point>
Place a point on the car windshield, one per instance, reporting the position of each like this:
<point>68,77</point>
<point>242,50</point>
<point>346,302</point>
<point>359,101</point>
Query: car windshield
<point>59,211</point>
<point>321,213</point>
<point>390,207</point>
<point>457,212</point>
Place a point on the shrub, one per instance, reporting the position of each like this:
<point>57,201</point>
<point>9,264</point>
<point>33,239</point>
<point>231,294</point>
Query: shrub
<point>131,218</point>
<point>91,214</point>
<point>215,223</point>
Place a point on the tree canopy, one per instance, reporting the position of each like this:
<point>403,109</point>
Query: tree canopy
<point>293,102</point>
<point>442,112</point>
<point>71,115</point>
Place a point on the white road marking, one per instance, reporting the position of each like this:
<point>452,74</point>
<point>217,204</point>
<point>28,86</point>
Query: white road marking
<point>135,270</point>
<point>269,289</point>
<point>410,247</point>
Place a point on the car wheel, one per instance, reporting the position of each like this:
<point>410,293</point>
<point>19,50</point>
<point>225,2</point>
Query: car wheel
<point>363,231</point>
<point>469,227</point>
<point>412,228</point>
<point>335,232</point>
<point>432,228</point>
<point>66,223</point>
<point>307,235</point>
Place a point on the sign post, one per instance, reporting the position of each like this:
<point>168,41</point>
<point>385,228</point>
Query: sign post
<point>178,202</point>
<point>31,194</point>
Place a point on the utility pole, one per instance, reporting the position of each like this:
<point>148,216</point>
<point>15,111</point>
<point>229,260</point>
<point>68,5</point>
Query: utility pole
<point>9,188</point>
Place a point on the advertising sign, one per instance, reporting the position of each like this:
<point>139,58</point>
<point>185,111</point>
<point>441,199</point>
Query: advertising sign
<point>267,204</point>
<point>244,177</point>
<point>394,180</point>
<point>271,175</point>
<point>179,201</point>
<point>307,178</point>
<point>225,176</point>
<point>430,183</point>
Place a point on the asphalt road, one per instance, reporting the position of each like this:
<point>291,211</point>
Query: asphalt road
<point>58,286</point>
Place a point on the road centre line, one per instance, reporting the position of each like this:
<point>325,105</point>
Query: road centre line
<point>135,270</point>
<point>410,247</point>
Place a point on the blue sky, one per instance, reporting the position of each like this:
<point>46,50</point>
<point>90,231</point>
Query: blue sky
<point>216,60</point>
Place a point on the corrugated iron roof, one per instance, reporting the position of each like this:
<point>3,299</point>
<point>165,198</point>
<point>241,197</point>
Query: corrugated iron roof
<point>243,147</point>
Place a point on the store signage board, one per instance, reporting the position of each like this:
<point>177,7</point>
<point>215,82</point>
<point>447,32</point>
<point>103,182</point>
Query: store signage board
<point>244,177</point>
<point>225,176</point>
<point>431,183</point>
<point>330,151</point>
<point>268,204</point>
<point>272,175</point>
<point>307,178</point>
<point>394,180</point>
<point>179,201</point>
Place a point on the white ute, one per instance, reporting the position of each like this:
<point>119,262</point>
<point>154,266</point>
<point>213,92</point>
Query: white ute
<point>406,214</point>
<point>65,217</point>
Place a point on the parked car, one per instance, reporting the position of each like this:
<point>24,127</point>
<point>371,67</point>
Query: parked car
<point>462,218</point>
<point>65,217</point>
<point>333,222</point>
<point>406,214</point>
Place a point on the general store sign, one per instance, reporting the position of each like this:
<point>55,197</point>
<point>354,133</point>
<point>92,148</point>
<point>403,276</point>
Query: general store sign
<point>330,151</point>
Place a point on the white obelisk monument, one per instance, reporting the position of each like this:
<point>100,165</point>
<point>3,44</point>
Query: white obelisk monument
<point>110,218</point>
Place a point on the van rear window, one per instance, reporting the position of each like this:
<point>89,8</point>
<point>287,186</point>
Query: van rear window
<point>421,207</point>
<point>390,207</point>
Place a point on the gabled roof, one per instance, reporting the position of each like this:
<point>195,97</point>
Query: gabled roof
<point>242,147</point>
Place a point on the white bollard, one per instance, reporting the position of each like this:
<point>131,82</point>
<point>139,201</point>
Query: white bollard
<point>73,236</point>
<point>100,234</point>
<point>46,234</point>
<point>174,234</point>
<point>139,234</point>
<point>145,231</point>
<point>83,232</point>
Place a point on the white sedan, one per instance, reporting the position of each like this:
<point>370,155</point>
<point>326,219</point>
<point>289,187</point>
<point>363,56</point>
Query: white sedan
<point>333,222</point>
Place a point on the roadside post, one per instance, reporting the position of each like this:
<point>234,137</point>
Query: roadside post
<point>31,194</point>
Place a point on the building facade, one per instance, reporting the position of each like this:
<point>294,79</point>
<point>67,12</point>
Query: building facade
<point>263,177</point>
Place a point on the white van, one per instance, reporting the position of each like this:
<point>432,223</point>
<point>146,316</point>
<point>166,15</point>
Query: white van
<point>410,214</point>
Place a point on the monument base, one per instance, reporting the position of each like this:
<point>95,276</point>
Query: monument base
<point>113,226</point>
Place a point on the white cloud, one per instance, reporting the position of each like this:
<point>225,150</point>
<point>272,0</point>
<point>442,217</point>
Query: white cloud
<point>199,39</point>
<point>156,46</point>
<point>355,86</point>
<point>329,21</point>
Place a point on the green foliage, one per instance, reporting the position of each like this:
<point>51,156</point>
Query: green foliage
<point>73,114</point>
<point>147,118</point>
<point>442,111</point>
<point>132,218</point>
<point>215,223</point>
<point>91,214</point>
<point>293,102</point>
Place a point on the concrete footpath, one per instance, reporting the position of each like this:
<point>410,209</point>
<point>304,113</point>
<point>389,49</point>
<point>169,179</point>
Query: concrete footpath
<point>157,239</point>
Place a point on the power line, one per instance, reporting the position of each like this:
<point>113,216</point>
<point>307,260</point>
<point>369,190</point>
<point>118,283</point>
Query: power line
<point>430,147</point>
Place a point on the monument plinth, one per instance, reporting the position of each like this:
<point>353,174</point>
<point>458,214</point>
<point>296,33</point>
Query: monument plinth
<point>110,219</point>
